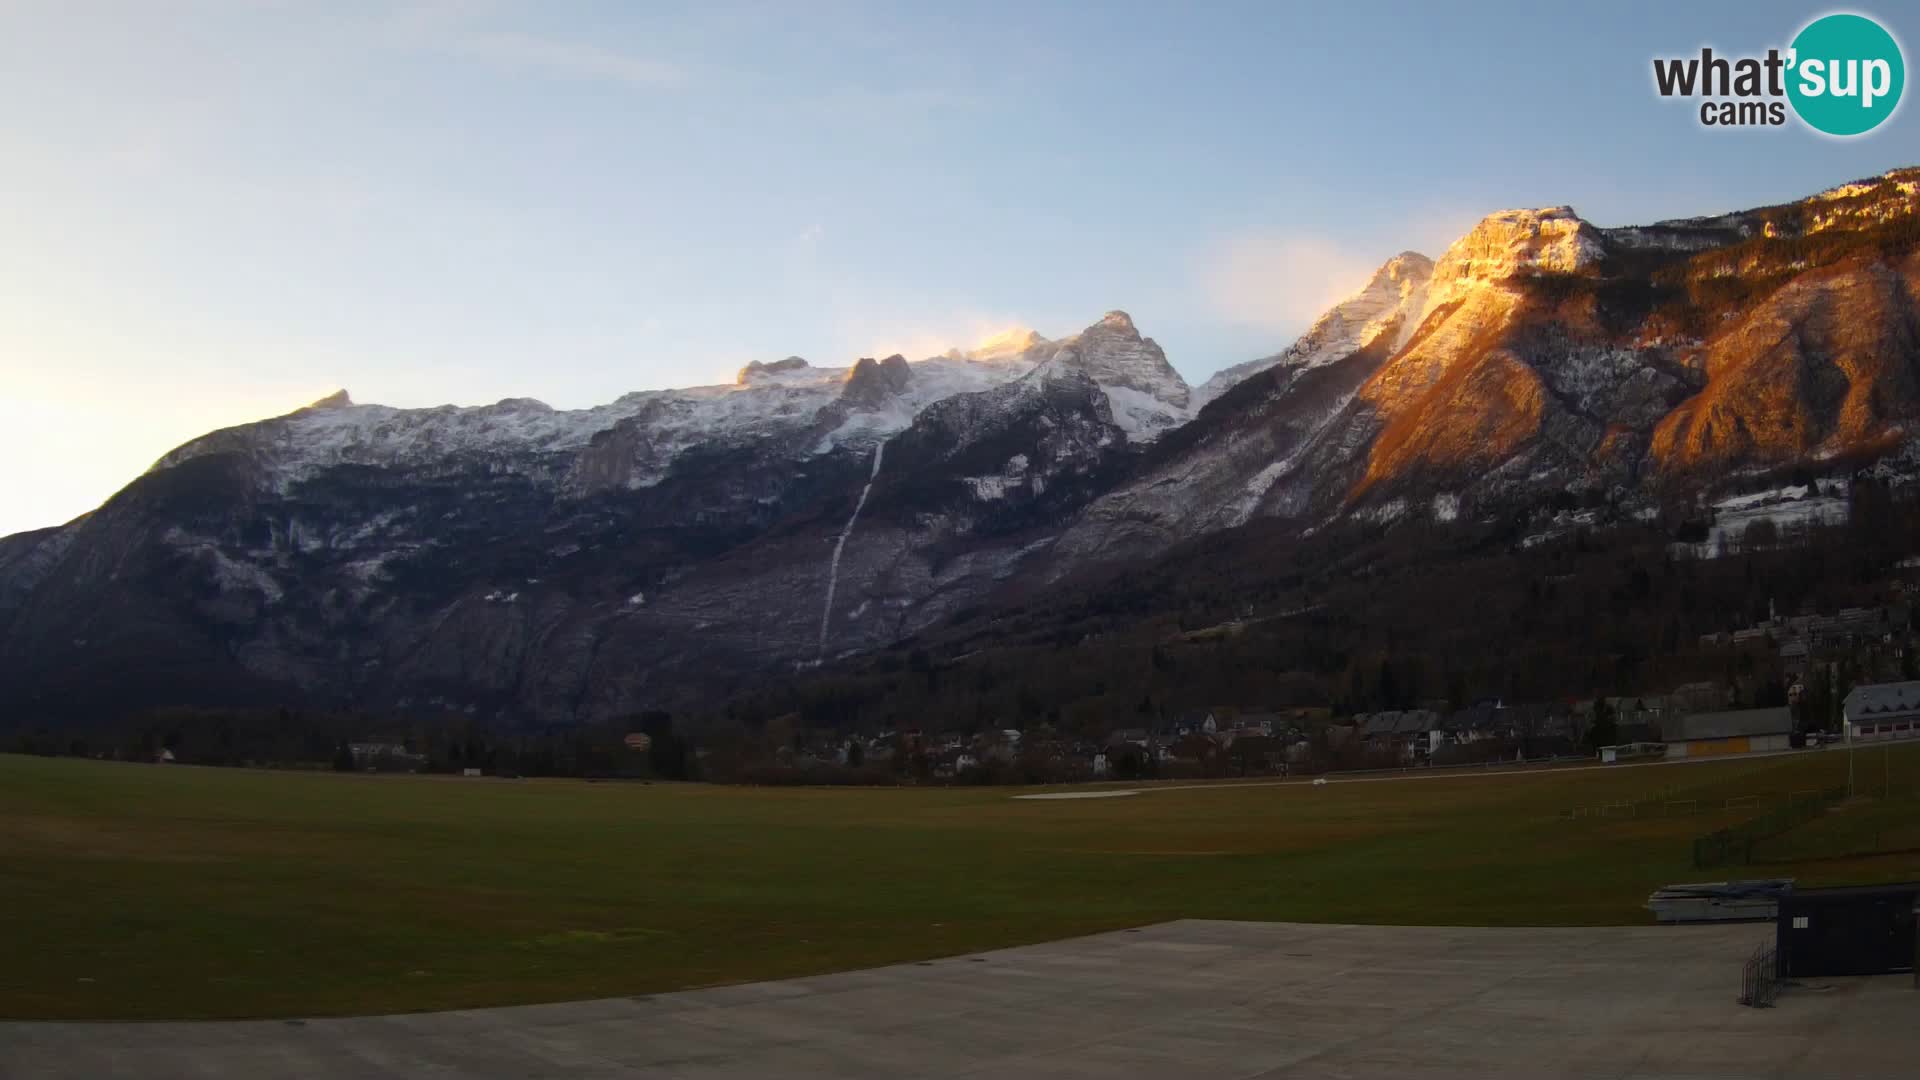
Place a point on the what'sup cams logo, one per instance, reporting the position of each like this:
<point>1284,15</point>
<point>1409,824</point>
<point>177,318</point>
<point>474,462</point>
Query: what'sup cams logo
<point>1842,76</point>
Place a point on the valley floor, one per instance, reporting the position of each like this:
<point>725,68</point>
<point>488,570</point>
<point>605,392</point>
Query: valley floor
<point>1191,998</point>
<point>169,893</point>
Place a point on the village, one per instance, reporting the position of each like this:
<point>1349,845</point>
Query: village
<point>1800,681</point>
<point>1693,721</point>
<point>1792,681</point>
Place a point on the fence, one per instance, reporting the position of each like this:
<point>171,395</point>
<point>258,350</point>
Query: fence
<point>1760,978</point>
<point>1734,844</point>
<point>1880,822</point>
<point>1668,804</point>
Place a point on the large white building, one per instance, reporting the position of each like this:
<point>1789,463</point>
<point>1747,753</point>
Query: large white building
<point>1882,711</point>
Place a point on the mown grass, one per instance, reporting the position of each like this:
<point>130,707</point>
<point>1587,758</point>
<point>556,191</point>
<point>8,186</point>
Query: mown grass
<point>130,891</point>
<point>1877,820</point>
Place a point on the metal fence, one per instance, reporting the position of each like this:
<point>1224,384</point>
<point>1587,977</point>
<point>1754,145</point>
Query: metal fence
<point>1670,805</point>
<point>1760,978</point>
<point>1734,844</point>
<point>1881,825</point>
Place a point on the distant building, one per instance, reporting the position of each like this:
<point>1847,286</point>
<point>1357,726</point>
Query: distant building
<point>1882,711</point>
<point>1794,657</point>
<point>1487,720</point>
<point>1258,723</point>
<point>1194,720</point>
<point>1192,748</point>
<point>1742,731</point>
<point>1697,697</point>
<point>1630,751</point>
<point>1255,754</point>
<point>384,753</point>
<point>1420,731</point>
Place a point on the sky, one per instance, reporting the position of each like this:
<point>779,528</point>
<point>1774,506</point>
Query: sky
<point>213,211</point>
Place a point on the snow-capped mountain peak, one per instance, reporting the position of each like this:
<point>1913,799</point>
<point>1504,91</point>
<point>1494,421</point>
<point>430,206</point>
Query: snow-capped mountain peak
<point>1147,396</point>
<point>339,399</point>
<point>871,382</point>
<point>1113,353</point>
<point>760,370</point>
<point>1508,243</point>
<point>634,441</point>
<point>1391,298</point>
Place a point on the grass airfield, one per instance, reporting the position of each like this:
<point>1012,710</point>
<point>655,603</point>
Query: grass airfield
<point>150,892</point>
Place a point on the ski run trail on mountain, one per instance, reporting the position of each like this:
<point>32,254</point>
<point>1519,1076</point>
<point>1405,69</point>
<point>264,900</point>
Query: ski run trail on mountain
<point>833,567</point>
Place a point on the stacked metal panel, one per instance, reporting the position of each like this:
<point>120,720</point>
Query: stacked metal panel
<point>1720,901</point>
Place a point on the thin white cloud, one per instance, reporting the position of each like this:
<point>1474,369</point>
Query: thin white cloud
<point>570,59</point>
<point>918,340</point>
<point>862,104</point>
<point>1281,281</point>
<point>456,27</point>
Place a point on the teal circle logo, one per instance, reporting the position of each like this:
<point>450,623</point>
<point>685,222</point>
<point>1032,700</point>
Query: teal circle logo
<point>1846,74</point>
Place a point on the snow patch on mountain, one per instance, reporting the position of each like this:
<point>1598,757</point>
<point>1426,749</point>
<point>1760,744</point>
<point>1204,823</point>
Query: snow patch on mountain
<point>230,573</point>
<point>995,486</point>
<point>1681,234</point>
<point>1789,507</point>
<point>1384,513</point>
<point>1143,416</point>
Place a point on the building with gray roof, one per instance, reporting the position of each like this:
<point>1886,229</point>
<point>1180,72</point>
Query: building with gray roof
<point>1739,731</point>
<point>1881,711</point>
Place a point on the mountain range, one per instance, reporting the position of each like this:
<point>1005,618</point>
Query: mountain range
<point>524,565</point>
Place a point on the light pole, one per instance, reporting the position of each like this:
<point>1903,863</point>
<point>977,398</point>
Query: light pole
<point>1846,722</point>
<point>1846,727</point>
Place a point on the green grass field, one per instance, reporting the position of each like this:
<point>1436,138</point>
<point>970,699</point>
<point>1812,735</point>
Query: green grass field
<point>134,891</point>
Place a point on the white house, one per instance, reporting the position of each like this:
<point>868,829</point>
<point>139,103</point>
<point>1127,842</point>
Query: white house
<point>1882,711</point>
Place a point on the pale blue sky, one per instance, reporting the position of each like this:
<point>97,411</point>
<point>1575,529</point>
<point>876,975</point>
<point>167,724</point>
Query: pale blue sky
<point>215,211</point>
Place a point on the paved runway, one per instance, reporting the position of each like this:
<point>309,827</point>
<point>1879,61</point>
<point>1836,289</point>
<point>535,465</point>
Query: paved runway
<point>1184,999</point>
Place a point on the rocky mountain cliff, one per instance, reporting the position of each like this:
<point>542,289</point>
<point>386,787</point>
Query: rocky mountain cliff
<point>522,564</point>
<point>1543,356</point>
